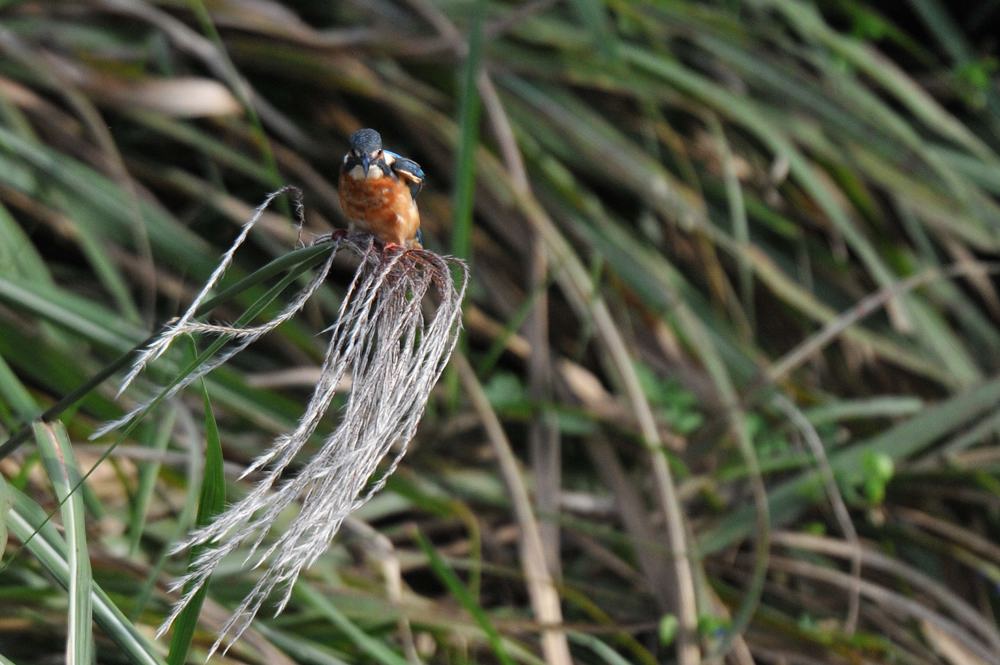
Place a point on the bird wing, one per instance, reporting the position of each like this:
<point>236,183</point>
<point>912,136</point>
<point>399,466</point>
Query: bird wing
<point>408,170</point>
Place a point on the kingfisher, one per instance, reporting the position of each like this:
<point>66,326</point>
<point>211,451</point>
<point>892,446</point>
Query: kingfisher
<point>378,191</point>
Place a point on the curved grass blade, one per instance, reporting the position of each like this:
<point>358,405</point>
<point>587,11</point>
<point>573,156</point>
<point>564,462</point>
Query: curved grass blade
<point>600,648</point>
<point>462,595</point>
<point>64,474</point>
<point>148,473</point>
<point>376,650</point>
<point>210,504</point>
<point>13,394</point>
<point>28,522</point>
<point>5,505</point>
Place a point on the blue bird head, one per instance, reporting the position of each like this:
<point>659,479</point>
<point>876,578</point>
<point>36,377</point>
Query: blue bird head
<point>366,148</point>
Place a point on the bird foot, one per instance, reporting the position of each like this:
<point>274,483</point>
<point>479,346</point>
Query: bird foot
<point>334,236</point>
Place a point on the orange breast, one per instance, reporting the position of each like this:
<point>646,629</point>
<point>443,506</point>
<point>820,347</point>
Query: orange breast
<point>381,206</point>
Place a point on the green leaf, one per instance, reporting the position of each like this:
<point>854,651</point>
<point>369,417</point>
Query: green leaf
<point>878,469</point>
<point>211,503</point>
<point>13,392</point>
<point>60,464</point>
<point>667,629</point>
<point>6,502</point>
<point>30,524</point>
<point>605,652</point>
<point>372,647</point>
<point>462,595</point>
<point>18,257</point>
<point>148,473</point>
<point>468,120</point>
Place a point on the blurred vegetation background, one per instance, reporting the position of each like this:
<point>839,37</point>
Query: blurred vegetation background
<point>729,382</point>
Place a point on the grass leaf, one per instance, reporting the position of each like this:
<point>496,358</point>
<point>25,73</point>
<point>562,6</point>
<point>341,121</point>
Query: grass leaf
<point>465,599</point>
<point>60,464</point>
<point>212,501</point>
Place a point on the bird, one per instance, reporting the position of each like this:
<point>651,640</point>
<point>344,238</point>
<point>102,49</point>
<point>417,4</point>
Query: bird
<point>378,191</point>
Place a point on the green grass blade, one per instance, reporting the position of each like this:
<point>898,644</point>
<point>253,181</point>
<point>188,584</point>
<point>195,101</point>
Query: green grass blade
<point>374,648</point>
<point>738,218</point>
<point>29,523</point>
<point>601,649</point>
<point>18,257</point>
<point>60,464</point>
<point>14,395</point>
<point>883,406</point>
<point>93,243</point>
<point>5,505</point>
<point>468,120</point>
<point>148,473</point>
<point>211,503</point>
<point>61,308</point>
<point>593,14</point>
<point>465,599</point>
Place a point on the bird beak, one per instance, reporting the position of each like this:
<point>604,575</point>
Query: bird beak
<point>366,161</point>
